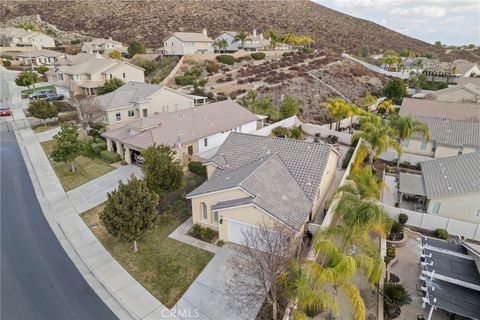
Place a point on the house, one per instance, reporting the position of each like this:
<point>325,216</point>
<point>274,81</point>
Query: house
<point>84,73</point>
<point>136,100</point>
<point>253,42</point>
<point>192,132</point>
<point>461,68</point>
<point>450,187</point>
<point>39,57</point>
<point>450,277</point>
<point>103,46</point>
<point>418,65</point>
<point>256,180</point>
<point>183,43</point>
<point>468,92</point>
<point>454,127</point>
<point>16,37</point>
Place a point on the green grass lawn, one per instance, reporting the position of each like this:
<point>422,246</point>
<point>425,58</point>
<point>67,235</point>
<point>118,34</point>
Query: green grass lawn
<point>86,169</point>
<point>43,128</point>
<point>29,91</point>
<point>165,267</point>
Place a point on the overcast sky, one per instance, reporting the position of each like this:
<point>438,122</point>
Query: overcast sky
<point>453,22</point>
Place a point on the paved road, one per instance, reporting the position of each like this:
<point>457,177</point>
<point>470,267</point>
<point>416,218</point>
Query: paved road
<point>38,279</point>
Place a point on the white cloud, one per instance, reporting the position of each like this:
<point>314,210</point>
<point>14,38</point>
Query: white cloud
<point>420,11</point>
<point>363,3</point>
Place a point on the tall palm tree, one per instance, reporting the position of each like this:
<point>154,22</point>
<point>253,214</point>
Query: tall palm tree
<point>339,110</point>
<point>404,127</point>
<point>365,183</point>
<point>379,136</point>
<point>241,37</point>
<point>223,44</point>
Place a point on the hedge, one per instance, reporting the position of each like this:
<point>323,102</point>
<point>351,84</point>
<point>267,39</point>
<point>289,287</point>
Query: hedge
<point>258,55</point>
<point>184,80</point>
<point>226,59</point>
<point>197,167</point>
<point>347,158</point>
<point>110,156</point>
<point>442,234</point>
<point>98,147</point>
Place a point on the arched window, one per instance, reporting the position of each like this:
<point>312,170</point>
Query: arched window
<point>203,206</point>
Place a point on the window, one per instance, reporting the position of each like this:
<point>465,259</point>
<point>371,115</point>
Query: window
<point>435,207</point>
<point>118,116</point>
<point>60,77</point>
<point>405,143</point>
<point>131,113</point>
<point>111,76</point>
<point>123,74</point>
<point>176,106</point>
<point>205,142</point>
<point>478,213</point>
<point>203,205</point>
<point>215,216</point>
<point>164,109</point>
<point>423,146</point>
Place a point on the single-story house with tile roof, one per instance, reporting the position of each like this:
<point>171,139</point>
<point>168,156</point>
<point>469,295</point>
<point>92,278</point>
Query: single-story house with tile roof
<point>39,57</point>
<point>462,68</point>
<point>135,100</point>
<point>103,46</point>
<point>192,132</point>
<point>182,43</point>
<point>450,186</point>
<point>256,180</point>
<point>454,127</point>
<point>468,92</point>
<point>253,42</point>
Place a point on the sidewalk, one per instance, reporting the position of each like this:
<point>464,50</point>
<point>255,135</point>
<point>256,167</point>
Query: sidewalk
<point>113,284</point>
<point>181,234</point>
<point>48,135</point>
<point>93,193</point>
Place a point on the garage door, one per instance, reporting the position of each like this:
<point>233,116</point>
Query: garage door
<point>236,229</point>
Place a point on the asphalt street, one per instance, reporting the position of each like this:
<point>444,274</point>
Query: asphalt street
<point>38,279</point>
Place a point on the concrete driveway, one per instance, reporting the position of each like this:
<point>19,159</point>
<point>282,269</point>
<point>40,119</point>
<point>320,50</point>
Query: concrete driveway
<point>93,193</point>
<point>207,298</point>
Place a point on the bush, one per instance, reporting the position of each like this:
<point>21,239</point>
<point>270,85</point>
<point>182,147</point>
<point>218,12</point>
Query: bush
<point>331,139</point>
<point>42,69</point>
<point>296,133</point>
<point>397,227</point>
<point>6,63</point>
<point>287,54</point>
<point>281,132</point>
<point>395,294</point>
<point>347,158</point>
<point>184,80</point>
<point>212,68</point>
<point>258,55</point>
<point>403,218</point>
<point>226,59</point>
<point>442,234</point>
<point>98,125</point>
<point>198,168</point>
<point>204,234</point>
<point>75,41</point>
<point>98,147</point>
<point>391,252</point>
<point>307,50</point>
<point>110,156</point>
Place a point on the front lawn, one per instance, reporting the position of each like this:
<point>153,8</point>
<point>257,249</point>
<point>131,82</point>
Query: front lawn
<point>165,267</point>
<point>30,91</point>
<point>43,128</point>
<point>86,169</point>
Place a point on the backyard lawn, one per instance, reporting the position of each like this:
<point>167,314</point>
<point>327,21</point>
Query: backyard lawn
<point>165,267</point>
<point>86,169</point>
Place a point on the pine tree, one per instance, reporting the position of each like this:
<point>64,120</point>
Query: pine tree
<point>130,210</point>
<point>66,146</point>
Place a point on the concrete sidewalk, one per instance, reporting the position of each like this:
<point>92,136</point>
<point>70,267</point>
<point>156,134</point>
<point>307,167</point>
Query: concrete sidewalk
<point>48,135</point>
<point>181,234</point>
<point>113,284</point>
<point>93,193</point>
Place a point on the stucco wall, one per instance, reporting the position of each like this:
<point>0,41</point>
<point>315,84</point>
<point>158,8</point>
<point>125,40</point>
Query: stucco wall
<point>328,176</point>
<point>414,147</point>
<point>175,46</point>
<point>248,214</point>
<point>461,207</point>
<point>458,95</point>
<point>215,140</point>
<point>131,73</point>
<point>443,151</point>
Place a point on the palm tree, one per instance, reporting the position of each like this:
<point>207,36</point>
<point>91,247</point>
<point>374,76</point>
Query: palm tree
<point>404,127</point>
<point>386,107</point>
<point>339,110</point>
<point>418,63</point>
<point>391,61</point>
<point>379,135</point>
<point>241,36</point>
<point>365,183</point>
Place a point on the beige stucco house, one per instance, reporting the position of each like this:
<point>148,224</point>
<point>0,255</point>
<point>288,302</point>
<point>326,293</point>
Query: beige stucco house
<point>136,100</point>
<point>184,43</point>
<point>256,180</point>
<point>451,186</point>
<point>84,73</point>
<point>468,92</point>
<point>193,132</point>
<point>454,127</point>
<point>253,42</point>
<point>16,37</point>
<point>103,46</point>
<point>461,68</point>
<point>41,57</point>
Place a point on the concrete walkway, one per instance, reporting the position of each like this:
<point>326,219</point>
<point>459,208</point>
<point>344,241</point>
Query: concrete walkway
<point>48,135</point>
<point>181,234</point>
<point>114,285</point>
<point>93,193</point>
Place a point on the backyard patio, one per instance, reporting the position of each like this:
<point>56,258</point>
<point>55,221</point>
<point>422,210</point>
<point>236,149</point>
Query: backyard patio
<point>404,191</point>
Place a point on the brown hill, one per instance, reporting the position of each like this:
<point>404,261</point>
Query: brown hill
<point>151,21</point>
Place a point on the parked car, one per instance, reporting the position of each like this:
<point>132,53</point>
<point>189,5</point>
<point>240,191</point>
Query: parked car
<point>4,112</point>
<point>41,94</point>
<point>53,96</point>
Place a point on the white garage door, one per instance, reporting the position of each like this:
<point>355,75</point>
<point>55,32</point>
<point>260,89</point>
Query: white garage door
<point>235,230</point>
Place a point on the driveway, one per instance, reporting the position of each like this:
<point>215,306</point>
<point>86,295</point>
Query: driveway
<point>93,193</point>
<point>207,298</point>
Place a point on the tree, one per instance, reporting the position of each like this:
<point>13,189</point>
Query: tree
<point>367,100</point>
<point>339,110</point>
<point>378,135</point>
<point>289,107</point>
<point>418,64</point>
<point>450,71</point>
<point>148,65</point>
<point>395,90</point>
<point>161,171</point>
<point>27,26</point>
<point>27,79</point>
<point>115,54</point>
<point>88,107</point>
<point>438,44</point>
<point>259,265</point>
<point>386,107</point>
<point>365,183</point>
<point>135,47</point>
<point>390,52</point>
<point>66,146</point>
<point>130,210</point>
<point>42,69</point>
<point>222,44</point>
<point>391,61</point>
<point>241,37</point>
<point>404,127</point>
<point>395,295</point>
<point>42,109</point>
<point>110,85</point>
<point>363,52</point>
<point>407,53</point>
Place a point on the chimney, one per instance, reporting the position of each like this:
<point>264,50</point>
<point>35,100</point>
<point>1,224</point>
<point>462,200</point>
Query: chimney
<point>110,38</point>
<point>254,33</point>
<point>261,36</point>
<point>204,32</point>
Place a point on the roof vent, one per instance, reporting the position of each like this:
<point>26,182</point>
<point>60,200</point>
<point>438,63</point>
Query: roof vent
<point>284,197</point>
<point>449,188</point>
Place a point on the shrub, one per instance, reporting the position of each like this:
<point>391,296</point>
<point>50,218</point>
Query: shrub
<point>308,50</point>
<point>184,80</point>
<point>196,230</point>
<point>347,158</point>
<point>197,167</point>
<point>42,69</point>
<point>287,54</point>
<point>98,147</point>
<point>403,218</point>
<point>395,294</point>
<point>331,139</point>
<point>397,227</point>
<point>281,132</point>
<point>391,252</point>
<point>75,41</point>
<point>442,234</point>
<point>6,63</point>
<point>110,156</point>
<point>204,234</point>
<point>258,55</point>
<point>212,68</point>
<point>296,133</point>
<point>226,59</point>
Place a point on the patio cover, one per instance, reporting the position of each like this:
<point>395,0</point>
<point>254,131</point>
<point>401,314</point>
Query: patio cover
<point>411,184</point>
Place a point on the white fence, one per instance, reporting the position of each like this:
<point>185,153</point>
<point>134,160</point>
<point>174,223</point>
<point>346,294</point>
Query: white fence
<point>312,129</point>
<point>413,159</point>
<point>432,222</point>
<point>288,123</point>
<point>377,69</point>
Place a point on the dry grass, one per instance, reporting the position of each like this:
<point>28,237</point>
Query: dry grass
<point>43,128</point>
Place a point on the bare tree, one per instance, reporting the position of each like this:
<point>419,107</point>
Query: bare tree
<point>259,265</point>
<point>88,108</point>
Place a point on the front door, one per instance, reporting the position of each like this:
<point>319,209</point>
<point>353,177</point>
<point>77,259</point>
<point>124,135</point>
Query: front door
<point>145,112</point>
<point>190,150</point>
